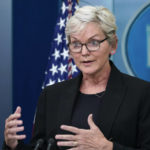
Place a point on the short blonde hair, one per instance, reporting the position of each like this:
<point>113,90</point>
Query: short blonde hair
<point>87,14</point>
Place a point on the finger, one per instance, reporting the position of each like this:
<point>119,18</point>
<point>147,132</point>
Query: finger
<point>70,129</point>
<point>13,123</point>
<point>18,110</point>
<point>67,143</point>
<point>13,117</point>
<point>14,130</point>
<point>16,137</point>
<point>65,137</point>
<point>91,123</point>
<point>74,148</point>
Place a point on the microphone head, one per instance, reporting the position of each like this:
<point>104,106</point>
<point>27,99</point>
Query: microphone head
<point>51,140</point>
<point>40,141</point>
<point>39,144</point>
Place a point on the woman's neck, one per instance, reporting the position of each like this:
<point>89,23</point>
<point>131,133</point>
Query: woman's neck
<point>95,83</point>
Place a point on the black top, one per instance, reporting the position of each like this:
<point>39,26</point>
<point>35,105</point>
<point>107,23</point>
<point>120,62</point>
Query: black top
<point>86,104</point>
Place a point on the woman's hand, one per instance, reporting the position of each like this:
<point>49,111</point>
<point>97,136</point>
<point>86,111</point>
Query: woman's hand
<point>12,127</point>
<point>92,139</point>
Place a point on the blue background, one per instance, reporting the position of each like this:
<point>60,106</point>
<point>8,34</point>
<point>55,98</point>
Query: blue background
<point>26,30</point>
<point>33,25</point>
<point>136,44</point>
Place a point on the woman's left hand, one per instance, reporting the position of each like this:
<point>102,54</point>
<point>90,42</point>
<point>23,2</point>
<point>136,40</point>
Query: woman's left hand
<point>84,139</point>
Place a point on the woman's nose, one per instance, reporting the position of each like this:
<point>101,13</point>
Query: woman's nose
<point>84,50</point>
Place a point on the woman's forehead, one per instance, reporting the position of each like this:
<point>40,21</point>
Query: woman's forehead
<point>88,33</point>
<point>90,30</point>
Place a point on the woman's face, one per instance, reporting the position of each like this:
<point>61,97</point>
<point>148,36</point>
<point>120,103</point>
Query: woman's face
<point>91,62</point>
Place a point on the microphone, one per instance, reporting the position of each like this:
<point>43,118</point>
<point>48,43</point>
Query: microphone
<point>50,143</point>
<point>39,143</point>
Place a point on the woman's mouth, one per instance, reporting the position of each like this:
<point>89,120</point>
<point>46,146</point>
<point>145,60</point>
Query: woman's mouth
<point>87,63</point>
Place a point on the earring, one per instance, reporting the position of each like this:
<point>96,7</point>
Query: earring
<point>112,52</point>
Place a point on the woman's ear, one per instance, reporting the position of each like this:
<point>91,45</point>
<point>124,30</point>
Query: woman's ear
<point>113,52</point>
<point>114,45</point>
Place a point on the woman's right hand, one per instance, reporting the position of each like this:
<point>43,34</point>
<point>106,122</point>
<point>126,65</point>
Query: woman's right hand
<point>12,126</point>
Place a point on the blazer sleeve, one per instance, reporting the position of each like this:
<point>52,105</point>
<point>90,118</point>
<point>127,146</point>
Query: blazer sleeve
<point>39,125</point>
<point>40,118</point>
<point>143,133</point>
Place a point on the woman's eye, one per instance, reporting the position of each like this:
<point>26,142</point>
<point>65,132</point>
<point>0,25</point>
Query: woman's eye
<point>93,42</point>
<point>76,44</point>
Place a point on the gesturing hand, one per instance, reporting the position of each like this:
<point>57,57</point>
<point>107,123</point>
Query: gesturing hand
<point>84,139</point>
<point>11,129</point>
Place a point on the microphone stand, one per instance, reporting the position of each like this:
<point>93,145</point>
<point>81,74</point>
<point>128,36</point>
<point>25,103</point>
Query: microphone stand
<point>39,143</point>
<point>50,143</point>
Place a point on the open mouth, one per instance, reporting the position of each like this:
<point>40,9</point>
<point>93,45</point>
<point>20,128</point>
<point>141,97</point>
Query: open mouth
<point>87,62</point>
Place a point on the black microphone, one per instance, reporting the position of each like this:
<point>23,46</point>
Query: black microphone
<point>39,143</point>
<point>50,143</point>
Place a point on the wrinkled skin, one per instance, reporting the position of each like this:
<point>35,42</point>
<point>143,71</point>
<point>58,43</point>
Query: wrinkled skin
<point>12,126</point>
<point>83,139</point>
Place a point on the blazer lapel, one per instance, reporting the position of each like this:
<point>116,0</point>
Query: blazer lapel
<point>66,104</point>
<point>111,102</point>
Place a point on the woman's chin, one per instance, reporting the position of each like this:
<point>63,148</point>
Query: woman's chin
<point>88,72</point>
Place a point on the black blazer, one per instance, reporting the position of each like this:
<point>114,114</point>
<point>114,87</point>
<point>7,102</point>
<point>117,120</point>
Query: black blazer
<point>124,115</point>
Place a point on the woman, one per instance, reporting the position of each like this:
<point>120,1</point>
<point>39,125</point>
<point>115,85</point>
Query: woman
<point>102,108</point>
